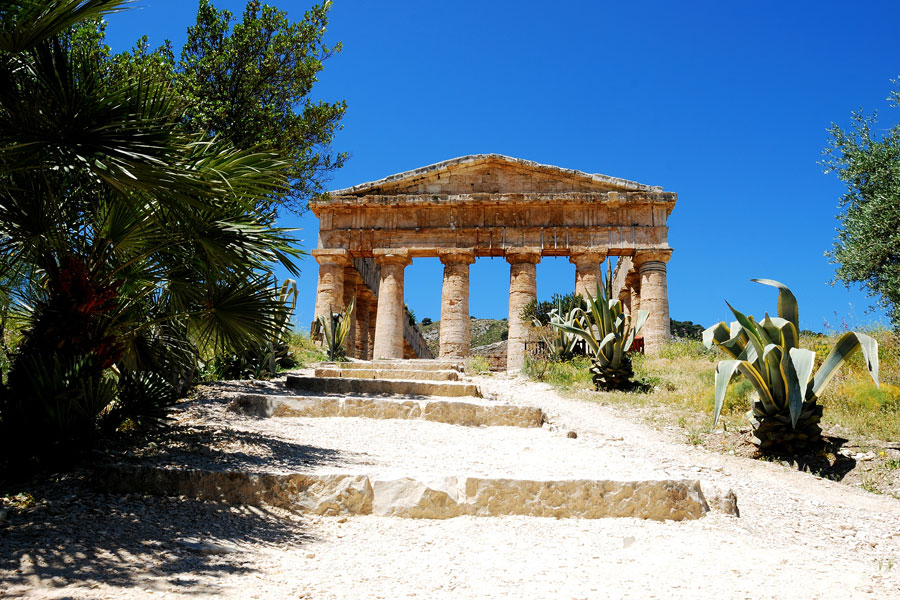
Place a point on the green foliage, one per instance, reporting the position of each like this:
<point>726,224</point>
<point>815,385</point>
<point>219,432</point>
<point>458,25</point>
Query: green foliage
<point>561,343</point>
<point>426,321</point>
<point>608,332</point>
<point>263,359</point>
<point>333,331</point>
<point>130,245</point>
<point>250,83</point>
<point>562,304</point>
<point>478,365</point>
<point>867,159</point>
<point>687,330</point>
<point>565,375</point>
<point>784,413</point>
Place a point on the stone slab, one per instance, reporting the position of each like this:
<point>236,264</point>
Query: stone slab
<point>347,385</point>
<point>396,365</point>
<point>455,413</point>
<point>412,374</point>
<point>346,494</point>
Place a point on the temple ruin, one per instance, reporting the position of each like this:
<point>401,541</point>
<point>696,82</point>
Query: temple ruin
<point>486,205</point>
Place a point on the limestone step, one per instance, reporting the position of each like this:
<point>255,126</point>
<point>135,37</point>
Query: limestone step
<point>357,494</point>
<point>455,413</point>
<point>413,374</point>
<point>348,385</point>
<point>398,365</point>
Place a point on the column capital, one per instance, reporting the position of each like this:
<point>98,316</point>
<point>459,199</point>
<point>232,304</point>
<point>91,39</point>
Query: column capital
<point>523,255</point>
<point>457,256</point>
<point>332,256</point>
<point>641,257</point>
<point>589,254</point>
<point>392,256</point>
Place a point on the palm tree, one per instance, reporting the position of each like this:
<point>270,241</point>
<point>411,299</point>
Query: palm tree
<point>128,246</point>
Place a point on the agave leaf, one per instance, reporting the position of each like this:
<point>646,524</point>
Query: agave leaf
<point>790,337</point>
<point>793,390</point>
<point>642,316</point>
<point>771,330</point>
<point>803,360</point>
<point>787,303</point>
<point>737,348</point>
<point>843,349</point>
<point>715,334</point>
<point>749,371</point>
<point>584,334</point>
<point>724,371</point>
<point>770,368</point>
<point>748,329</point>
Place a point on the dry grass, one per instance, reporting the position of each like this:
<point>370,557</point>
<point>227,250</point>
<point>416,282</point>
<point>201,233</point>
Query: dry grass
<point>682,399</point>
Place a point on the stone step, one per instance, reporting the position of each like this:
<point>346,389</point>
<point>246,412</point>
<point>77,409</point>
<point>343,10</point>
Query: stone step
<point>455,413</point>
<point>398,365</point>
<point>348,385</point>
<point>410,374</point>
<point>354,494</point>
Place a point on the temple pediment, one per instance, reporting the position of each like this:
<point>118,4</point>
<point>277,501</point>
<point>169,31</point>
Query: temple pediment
<point>492,174</point>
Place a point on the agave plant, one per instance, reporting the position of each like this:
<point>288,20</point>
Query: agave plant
<point>608,332</point>
<point>784,411</point>
<point>333,330</point>
<point>562,343</point>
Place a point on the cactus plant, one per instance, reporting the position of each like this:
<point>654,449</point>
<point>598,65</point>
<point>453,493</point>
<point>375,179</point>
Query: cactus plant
<point>784,411</point>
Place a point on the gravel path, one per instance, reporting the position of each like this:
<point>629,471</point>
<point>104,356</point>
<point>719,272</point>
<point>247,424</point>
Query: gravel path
<point>797,537</point>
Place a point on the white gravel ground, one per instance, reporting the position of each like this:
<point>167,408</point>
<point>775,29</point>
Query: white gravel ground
<point>797,537</point>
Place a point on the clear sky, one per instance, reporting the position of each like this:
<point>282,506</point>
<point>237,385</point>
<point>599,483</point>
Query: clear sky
<point>725,103</point>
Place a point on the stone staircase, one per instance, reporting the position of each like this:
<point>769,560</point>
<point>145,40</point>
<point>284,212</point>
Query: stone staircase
<point>375,398</point>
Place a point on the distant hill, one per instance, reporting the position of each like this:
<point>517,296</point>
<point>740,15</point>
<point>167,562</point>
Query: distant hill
<point>483,332</point>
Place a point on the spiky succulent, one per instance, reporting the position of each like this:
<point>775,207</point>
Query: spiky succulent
<point>784,410</point>
<point>608,332</point>
<point>332,330</point>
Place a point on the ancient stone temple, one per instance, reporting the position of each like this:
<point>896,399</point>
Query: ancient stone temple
<point>479,206</point>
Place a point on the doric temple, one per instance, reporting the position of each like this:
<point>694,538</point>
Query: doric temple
<point>486,205</point>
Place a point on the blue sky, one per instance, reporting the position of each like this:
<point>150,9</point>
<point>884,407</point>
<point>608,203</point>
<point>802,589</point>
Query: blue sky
<point>725,103</point>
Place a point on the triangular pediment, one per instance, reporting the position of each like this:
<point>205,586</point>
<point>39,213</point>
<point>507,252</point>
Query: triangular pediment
<point>493,174</point>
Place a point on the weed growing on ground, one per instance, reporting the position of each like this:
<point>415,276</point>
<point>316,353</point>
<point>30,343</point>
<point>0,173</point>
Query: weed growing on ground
<point>478,365</point>
<point>304,350</point>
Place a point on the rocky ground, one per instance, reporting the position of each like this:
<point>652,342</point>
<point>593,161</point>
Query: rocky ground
<point>798,535</point>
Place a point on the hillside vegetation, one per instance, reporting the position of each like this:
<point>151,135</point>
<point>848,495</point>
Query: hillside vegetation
<point>861,422</point>
<point>483,332</point>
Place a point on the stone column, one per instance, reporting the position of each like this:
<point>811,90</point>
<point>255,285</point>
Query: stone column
<point>455,333</point>
<point>330,289</point>
<point>588,269</point>
<point>352,283</point>
<point>522,290</point>
<point>373,312</point>
<point>654,297</point>
<point>391,312</point>
<point>632,292</point>
<point>363,310</point>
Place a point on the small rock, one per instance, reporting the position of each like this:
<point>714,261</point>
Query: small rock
<point>342,520</point>
<point>310,555</point>
<point>724,502</point>
<point>572,435</point>
<point>628,541</point>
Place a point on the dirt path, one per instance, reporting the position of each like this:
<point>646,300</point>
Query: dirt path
<point>797,537</point>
